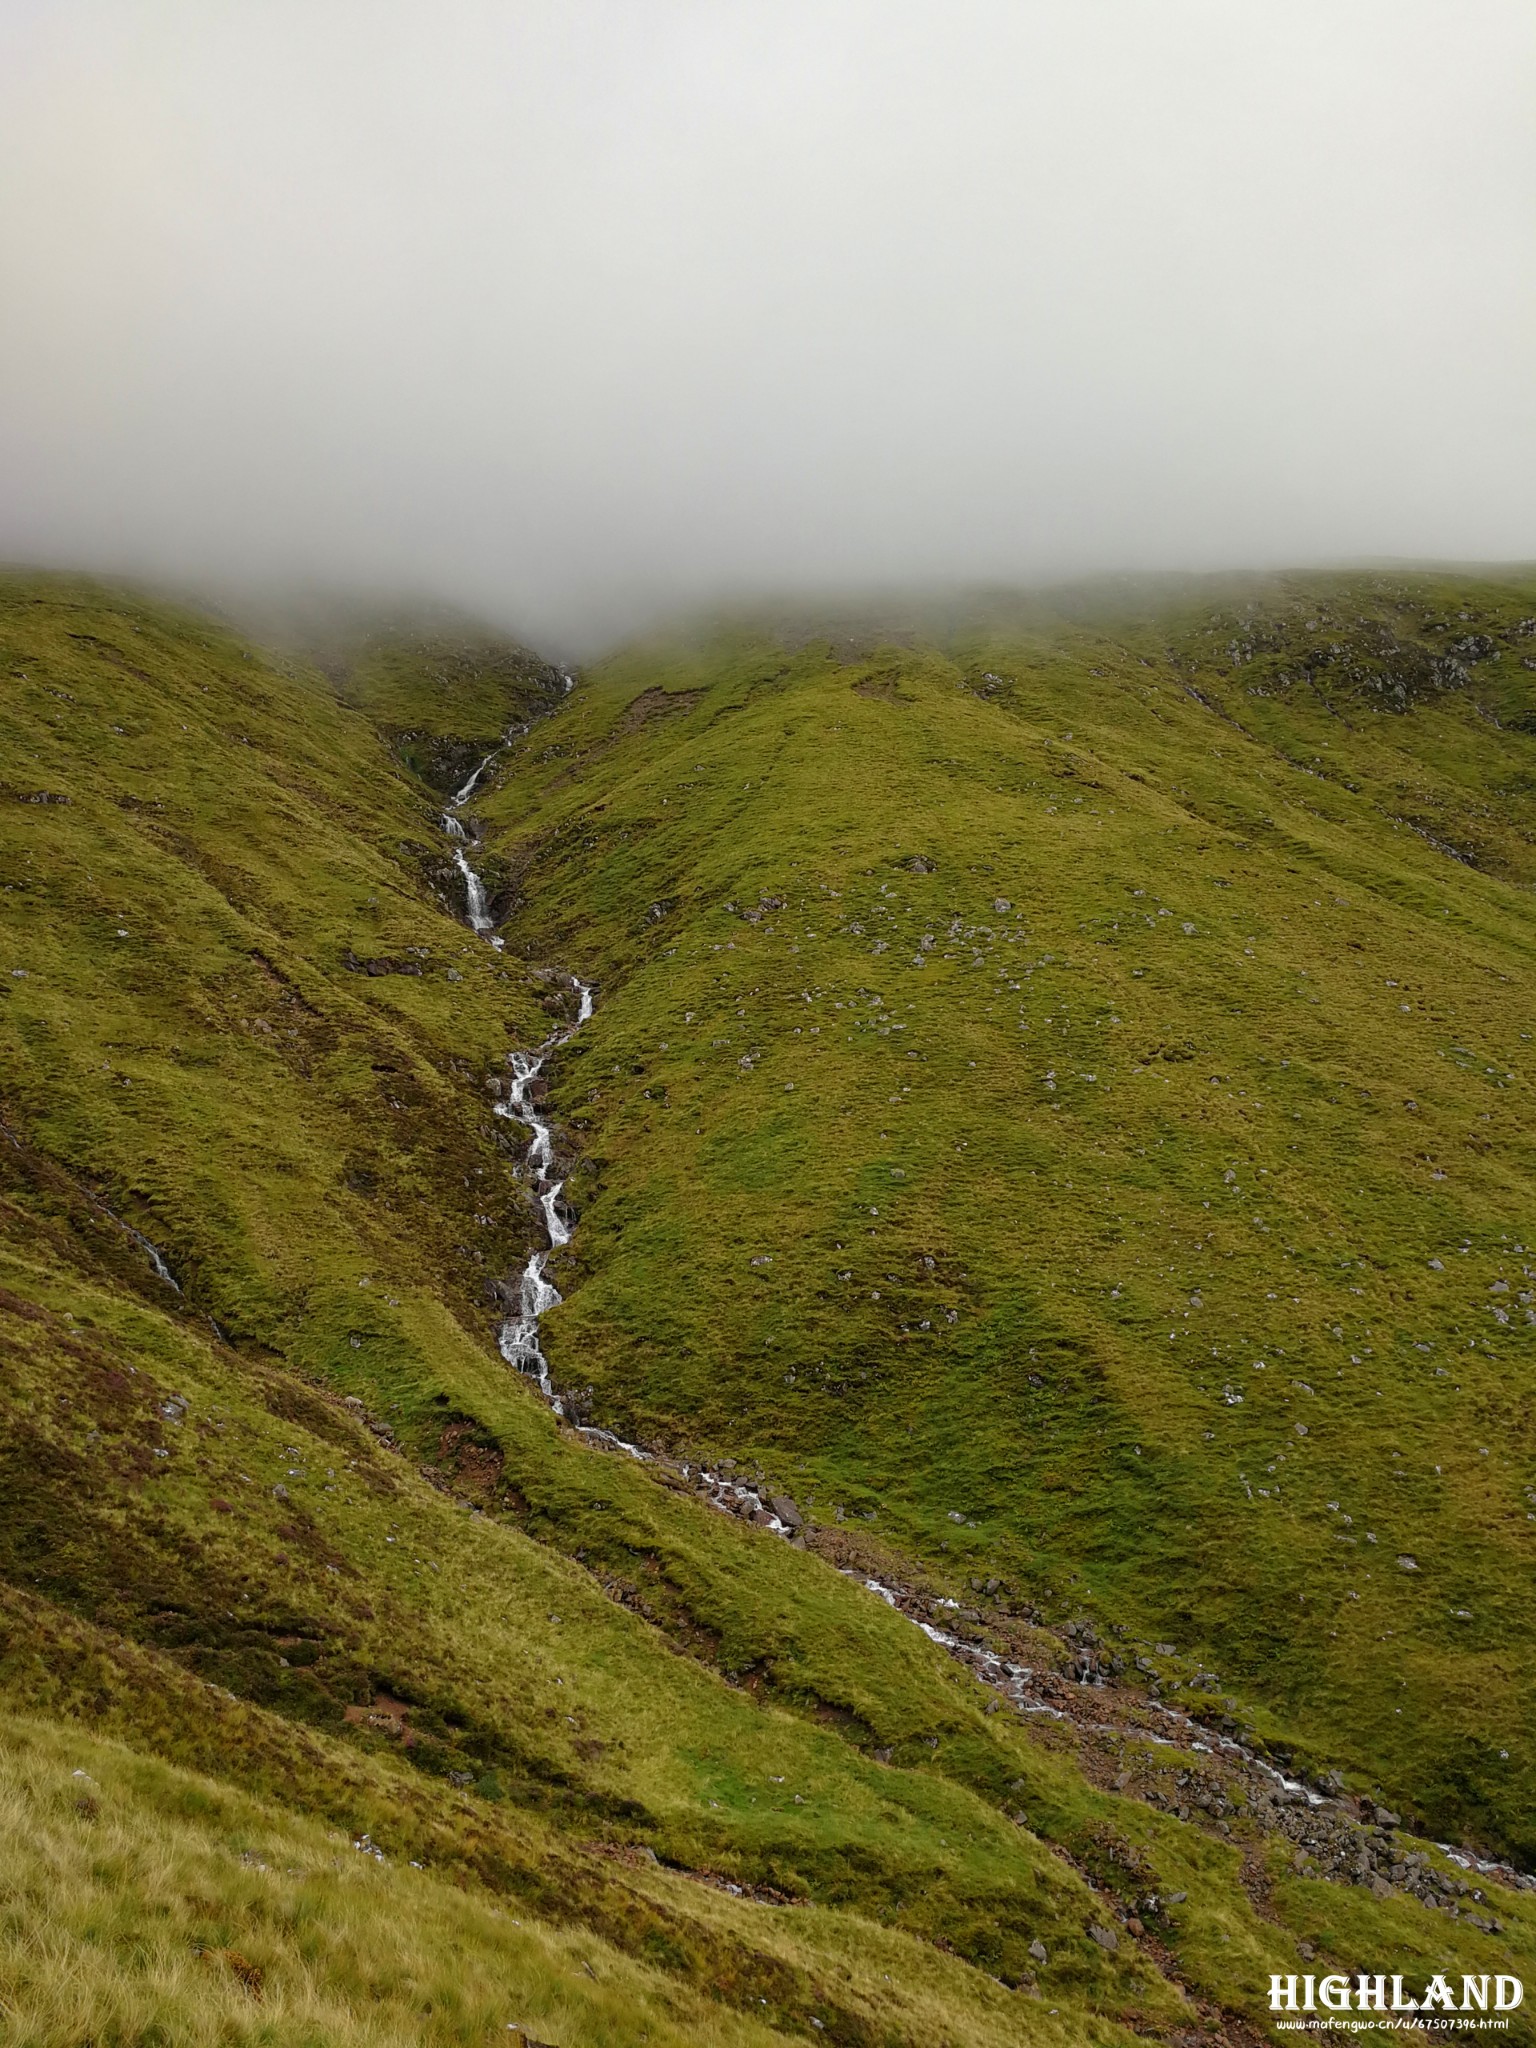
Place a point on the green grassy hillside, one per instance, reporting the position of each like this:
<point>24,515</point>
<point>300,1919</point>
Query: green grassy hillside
<point>404,1713</point>
<point>1063,1096</point>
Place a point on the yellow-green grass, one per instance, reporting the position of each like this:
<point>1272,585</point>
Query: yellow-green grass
<point>525,1684</point>
<point>144,1903</point>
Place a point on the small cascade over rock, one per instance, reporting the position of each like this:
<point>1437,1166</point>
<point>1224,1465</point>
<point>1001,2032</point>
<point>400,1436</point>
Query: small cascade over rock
<point>156,1258</point>
<point>474,891</point>
<point>461,837</point>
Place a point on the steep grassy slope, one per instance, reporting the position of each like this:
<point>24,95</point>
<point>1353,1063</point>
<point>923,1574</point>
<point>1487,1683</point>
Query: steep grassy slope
<point>1062,1094</point>
<point>292,1566</point>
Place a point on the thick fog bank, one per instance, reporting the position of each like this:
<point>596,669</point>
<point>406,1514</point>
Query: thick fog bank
<point>580,313</point>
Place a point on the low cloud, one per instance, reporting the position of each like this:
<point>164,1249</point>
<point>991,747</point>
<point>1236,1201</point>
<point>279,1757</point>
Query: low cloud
<point>577,310</point>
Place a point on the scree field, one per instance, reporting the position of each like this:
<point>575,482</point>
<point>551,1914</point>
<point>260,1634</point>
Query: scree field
<point>1052,1149</point>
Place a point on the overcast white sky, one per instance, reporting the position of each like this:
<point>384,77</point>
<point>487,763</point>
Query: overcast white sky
<point>576,309</point>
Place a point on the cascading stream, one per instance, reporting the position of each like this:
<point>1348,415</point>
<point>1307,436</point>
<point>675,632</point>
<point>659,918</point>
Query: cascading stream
<point>518,1338</point>
<point>459,836</point>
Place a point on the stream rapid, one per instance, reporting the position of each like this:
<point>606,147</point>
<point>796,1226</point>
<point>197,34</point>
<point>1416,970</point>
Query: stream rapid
<point>459,839</point>
<point>518,1338</point>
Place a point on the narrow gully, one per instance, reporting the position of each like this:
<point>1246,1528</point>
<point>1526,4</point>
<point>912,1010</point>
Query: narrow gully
<point>518,1336</point>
